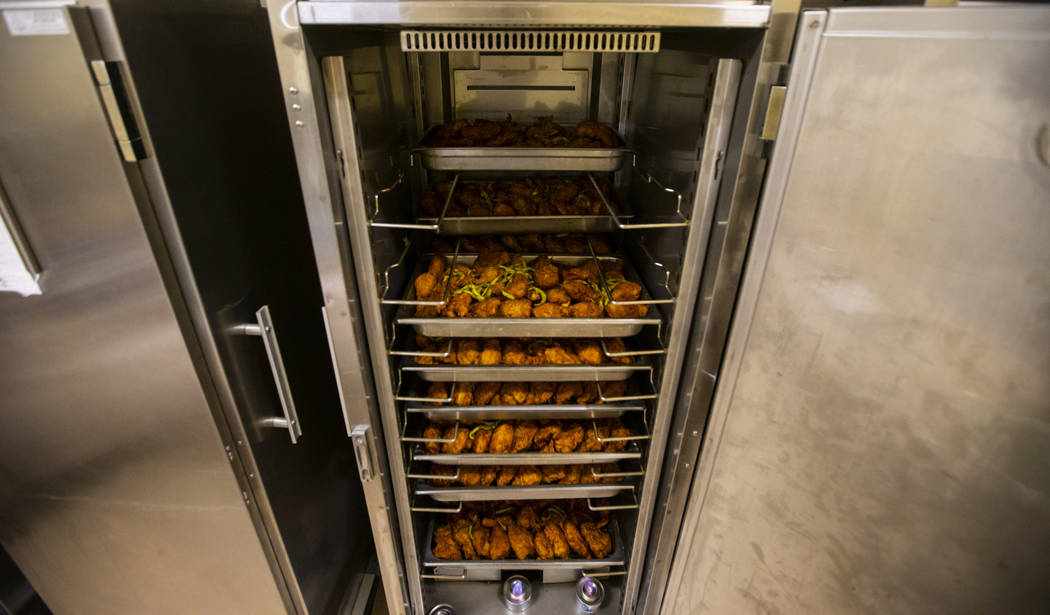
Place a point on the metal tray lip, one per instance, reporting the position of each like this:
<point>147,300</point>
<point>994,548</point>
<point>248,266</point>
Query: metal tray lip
<point>616,558</point>
<point>517,151</point>
<point>533,492</point>
<point>596,411</point>
<point>525,459</point>
<point>525,373</point>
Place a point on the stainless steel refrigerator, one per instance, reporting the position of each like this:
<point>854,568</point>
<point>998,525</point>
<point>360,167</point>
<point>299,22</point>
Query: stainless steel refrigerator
<point>171,440</point>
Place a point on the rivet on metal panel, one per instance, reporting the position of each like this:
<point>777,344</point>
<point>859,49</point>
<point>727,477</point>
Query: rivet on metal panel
<point>297,107</point>
<point>298,124</point>
<point>293,90</point>
<point>695,433</point>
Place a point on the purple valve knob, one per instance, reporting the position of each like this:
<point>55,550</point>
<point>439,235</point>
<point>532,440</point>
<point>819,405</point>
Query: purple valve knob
<point>589,595</point>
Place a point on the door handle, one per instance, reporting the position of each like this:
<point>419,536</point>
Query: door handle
<point>263,327</point>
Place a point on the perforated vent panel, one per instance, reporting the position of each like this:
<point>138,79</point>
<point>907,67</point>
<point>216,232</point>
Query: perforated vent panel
<point>529,40</point>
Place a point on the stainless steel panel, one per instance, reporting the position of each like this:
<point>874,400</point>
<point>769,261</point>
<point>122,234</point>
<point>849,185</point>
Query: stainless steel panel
<point>878,439</point>
<point>494,225</point>
<point>477,598</point>
<point>674,13</point>
<point>318,174</point>
<point>116,493</point>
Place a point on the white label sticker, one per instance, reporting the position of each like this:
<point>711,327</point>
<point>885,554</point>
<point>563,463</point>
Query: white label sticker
<point>15,276</point>
<point>35,22</point>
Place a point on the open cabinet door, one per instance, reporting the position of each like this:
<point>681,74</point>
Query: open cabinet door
<point>879,434</point>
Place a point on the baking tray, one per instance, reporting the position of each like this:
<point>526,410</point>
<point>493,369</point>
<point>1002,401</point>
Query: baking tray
<point>525,327</point>
<point>524,373</point>
<point>535,492</point>
<point>528,459</point>
<point>554,571</point>
<point>480,158</point>
<point>514,225</point>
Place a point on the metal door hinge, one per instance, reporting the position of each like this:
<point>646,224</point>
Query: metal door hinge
<point>362,442</point>
<point>112,90</point>
<point>774,109</point>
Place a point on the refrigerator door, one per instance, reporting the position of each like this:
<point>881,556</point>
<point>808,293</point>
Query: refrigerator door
<point>116,493</point>
<point>879,433</point>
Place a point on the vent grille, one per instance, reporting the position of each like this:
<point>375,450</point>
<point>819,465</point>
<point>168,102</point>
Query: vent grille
<point>529,40</point>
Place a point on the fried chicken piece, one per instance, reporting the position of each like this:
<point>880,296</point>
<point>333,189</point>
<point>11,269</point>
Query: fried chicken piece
<point>585,309</point>
<point>589,352</point>
<point>549,310</point>
<point>499,544</point>
<point>557,539</point>
<point>527,517</point>
<point>470,476</point>
<point>461,533</point>
<point>523,434</point>
<point>468,351</point>
<point>514,353</point>
<point>572,475</point>
<point>617,430</point>
<point>575,539</point>
<point>486,308</point>
<point>615,345</point>
<point>424,284</point>
<point>461,440</point>
<point>626,291</point>
<point>566,391</point>
<point>545,273</point>
<point>553,474</point>
<point>506,475</point>
<point>520,541</point>
<point>598,541</point>
<point>516,308</point>
<point>569,438</point>
<point>514,394</point>
<point>544,434</point>
<point>460,277</point>
<point>488,475</point>
<point>593,130</point>
<point>541,392</point>
<point>527,476</point>
<point>482,435</point>
<point>544,550</point>
<point>558,296</point>
<point>444,545</point>
<point>588,393</point>
<point>437,390</point>
<point>626,311</point>
<point>580,291</point>
<point>458,306</point>
<point>590,442</point>
<point>587,272</point>
<point>502,438</point>
<point>486,392</point>
<point>614,389</point>
<point>434,431</point>
<point>463,395</point>
<point>490,352</point>
<point>517,286</point>
<point>558,355</point>
<point>481,540</point>
<point>492,259</point>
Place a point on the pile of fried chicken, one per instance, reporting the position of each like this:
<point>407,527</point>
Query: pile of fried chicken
<point>550,196</point>
<point>521,351</point>
<point>551,436</point>
<point>524,393</point>
<point>502,285</point>
<point>554,530</point>
<point>541,133</point>
<point>532,243</point>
